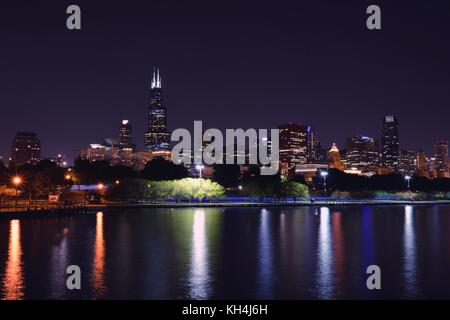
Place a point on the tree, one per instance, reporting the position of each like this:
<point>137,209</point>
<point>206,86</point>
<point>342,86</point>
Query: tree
<point>188,188</point>
<point>131,190</point>
<point>227,175</point>
<point>42,178</point>
<point>159,169</point>
<point>294,189</point>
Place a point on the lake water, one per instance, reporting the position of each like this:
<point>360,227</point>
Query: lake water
<point>230,253</point>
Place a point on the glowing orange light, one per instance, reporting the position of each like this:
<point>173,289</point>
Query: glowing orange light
<point>17,180</point>
<point>68,176</point>
<point>100,186</point>
<point>13,280</point>
<point>117,182</point>
<point>98,272</point>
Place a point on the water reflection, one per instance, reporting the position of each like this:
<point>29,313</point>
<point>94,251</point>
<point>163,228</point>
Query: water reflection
<point>324,276</point>
<point>368,245</point>
<point>59,264</point>
<point>265,255</point>
<point>199,269</point>
<point>98,273</point>
<point>409,251</point>
<point>13,283</point>
<point>338,251</point>
<point>244,253</point>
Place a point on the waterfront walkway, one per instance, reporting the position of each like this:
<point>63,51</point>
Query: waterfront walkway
<point>48,211</point>
<point>71,210</point>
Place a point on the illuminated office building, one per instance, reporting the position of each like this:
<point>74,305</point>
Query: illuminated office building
<point>362,152</point>
<point>26,148</point>
<point>422,165</point>
<point>441,168</point>
<point>390,143</point>
<point>334,158</point>
<point>124,139</point>
<point>157,137</point>
<point>407,162</point>
<point>293,142</point>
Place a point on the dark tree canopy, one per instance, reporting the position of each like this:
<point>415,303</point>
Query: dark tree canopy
<point>227,175</point>
<point>101,171</point>
<point>159,169</point>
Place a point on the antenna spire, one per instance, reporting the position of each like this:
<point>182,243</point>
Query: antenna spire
<point>158,79</point>
<point>154,78</point>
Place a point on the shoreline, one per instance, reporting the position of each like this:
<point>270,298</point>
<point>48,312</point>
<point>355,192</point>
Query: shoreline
<point>67,212</point>
<point>48,213</point>
<point>276,204</point>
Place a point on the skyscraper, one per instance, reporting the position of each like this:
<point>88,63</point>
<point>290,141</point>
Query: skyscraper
<point>293,146</point>
<point>422,164</point>
<point>124,137</point>
<point>407,162</point>
<point>314,151</point>
<point>26,148</point>
<point>334,158</point>
<point>390,142</point>
<point>157,137</point>
<point>441,148</point>
<point>362,152</point>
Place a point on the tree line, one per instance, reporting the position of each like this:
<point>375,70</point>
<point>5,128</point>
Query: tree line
<point>338,180</point>
<point>46,177</point>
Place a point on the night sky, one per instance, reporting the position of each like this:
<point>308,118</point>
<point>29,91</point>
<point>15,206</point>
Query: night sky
<point>232,64</point>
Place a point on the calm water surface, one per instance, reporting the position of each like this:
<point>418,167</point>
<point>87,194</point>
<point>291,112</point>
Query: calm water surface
<point>215,253</point>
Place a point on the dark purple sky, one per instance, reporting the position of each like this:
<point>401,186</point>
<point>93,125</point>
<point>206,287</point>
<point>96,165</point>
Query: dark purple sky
<point>229,63</point>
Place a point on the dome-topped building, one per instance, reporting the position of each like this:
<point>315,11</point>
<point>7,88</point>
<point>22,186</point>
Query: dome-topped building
<point>334,158</point>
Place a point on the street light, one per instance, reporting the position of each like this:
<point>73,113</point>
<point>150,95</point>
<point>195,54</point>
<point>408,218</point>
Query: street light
<point>200,167</point>
<point>408,179</point>
<point>100,186</point>
<point>17,181</point>
<point>324,174</point>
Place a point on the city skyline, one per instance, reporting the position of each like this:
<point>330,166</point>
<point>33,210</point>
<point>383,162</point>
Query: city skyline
<point>225,154</point>
<point>277,72</point>
<point>157,138</point>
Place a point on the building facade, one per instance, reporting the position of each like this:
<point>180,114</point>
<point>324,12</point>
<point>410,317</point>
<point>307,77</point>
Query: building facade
<point>334,158</point>
<point>422,165</point>
<point>26,148</point>
<point>390,143</point>
<point>442,170</point>
<point>157,137</point>
<point>314,150</point>
<point>407,162</point>
<point>124,139</point>
<point>293,143</point>
<point>362,153</point>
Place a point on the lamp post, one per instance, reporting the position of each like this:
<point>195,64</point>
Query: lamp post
<point>408,179</point>
<point>17,181</point>
<point>324,174</point>
<point>200,167</point>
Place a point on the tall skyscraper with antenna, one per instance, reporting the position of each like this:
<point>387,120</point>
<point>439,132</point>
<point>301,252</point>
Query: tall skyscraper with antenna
<point>389,143</point>
<point>157,137</point>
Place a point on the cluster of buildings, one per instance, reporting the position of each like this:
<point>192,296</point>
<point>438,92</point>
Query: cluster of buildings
<point>300,151</point>
<point>26,149</point>
<point>362,155</point>
<point>122,151</point>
